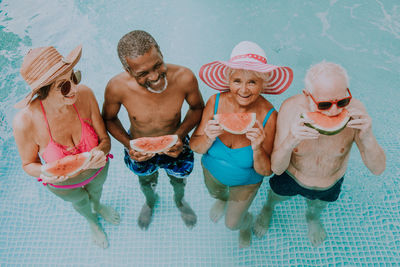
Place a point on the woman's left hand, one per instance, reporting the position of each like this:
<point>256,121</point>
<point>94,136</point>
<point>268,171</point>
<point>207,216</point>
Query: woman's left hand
<point>256,135</point>
<point>97,160</point>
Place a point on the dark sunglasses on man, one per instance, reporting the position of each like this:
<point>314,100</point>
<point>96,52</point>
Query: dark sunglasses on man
<point>325,105</point>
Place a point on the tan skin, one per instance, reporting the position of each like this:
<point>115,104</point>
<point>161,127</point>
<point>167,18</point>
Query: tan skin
<point>152,114</point>
<point>153,93</point>
<point>318,161</point>
<point>32,136</point>
<point>243,97</point>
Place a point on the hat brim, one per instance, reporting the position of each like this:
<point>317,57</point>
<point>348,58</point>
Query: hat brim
<point>53,73</point>
<point>214,75</point>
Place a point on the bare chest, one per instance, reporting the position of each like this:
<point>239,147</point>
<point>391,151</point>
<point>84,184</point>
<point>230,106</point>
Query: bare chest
<point>324,149</point>
<point>65,130</point>
<point>155,114</point>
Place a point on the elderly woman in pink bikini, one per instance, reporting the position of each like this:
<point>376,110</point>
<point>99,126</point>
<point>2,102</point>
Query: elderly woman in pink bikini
<point>60,117</point>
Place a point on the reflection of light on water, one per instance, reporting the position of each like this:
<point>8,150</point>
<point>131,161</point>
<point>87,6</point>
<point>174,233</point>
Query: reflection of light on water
<point>325,27</point>
<point>389,22</point>
<point>352,10</point>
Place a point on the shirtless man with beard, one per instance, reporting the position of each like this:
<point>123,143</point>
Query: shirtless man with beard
<point>153,93</point>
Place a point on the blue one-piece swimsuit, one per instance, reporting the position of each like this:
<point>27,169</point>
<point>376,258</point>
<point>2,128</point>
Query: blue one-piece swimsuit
<point>232,166</point>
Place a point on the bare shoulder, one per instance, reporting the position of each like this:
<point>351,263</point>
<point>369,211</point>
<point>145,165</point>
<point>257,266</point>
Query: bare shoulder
<point>118,81</point>
<point>211,100</point>
<point>116,86</point>
<point>23,120</point>
<point>183,76</point>
<point>292,104</point>
<point>85,92</point>
<point>265,104</point>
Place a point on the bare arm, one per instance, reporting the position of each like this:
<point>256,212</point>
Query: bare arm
<point>200,142</point>
<point>290,131</point>
<point>262,153</point>
<point>110,111</point>
<point>196,106</point>
<point>27,147</point>
<point>98,123</point>
<point>371,152</point>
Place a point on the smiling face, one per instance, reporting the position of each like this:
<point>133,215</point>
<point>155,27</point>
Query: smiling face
<point>245,86</point>
<point>149,70</point>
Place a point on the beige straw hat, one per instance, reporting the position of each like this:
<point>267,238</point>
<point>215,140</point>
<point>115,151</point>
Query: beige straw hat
<point>42,65</point>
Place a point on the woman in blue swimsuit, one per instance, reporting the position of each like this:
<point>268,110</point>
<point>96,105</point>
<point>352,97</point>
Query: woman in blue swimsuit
<point>234,165</point>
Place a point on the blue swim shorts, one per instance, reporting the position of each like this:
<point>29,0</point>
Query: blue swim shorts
<point>179,167</point>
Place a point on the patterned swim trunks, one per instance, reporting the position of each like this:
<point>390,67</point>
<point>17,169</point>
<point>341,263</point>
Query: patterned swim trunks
<point>179,167</point>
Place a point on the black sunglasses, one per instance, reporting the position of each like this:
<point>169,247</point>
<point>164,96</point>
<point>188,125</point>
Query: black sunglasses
<point>65,87</point>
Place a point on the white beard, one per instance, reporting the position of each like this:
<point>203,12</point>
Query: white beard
<point>160,91</point>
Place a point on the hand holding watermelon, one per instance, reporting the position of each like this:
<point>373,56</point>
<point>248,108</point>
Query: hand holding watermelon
<point>213,129</point>
<point>144,148</point>
<point>140,156</point>
<point>52,179</point>
<point>175,150</point>
<point>64,168</point>
<point>299,131</point>
<point>256,135</point>
<point>97,160</point>
<point>361,121</point>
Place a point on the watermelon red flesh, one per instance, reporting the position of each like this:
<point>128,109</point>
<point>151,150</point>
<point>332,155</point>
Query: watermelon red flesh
<point>67,166</point>
<point>328,125</point>
<point>154,144</point>
<point>236,123</point>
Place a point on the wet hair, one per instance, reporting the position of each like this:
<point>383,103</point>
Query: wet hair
<point>323,68</point>
<point>265,76</point>
<point>135,44</point>
<point>43,92</point>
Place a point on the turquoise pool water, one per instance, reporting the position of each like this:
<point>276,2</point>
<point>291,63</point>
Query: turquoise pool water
<point>363,226</point>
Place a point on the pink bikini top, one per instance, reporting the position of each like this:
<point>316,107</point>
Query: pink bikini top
<point>55,151</point>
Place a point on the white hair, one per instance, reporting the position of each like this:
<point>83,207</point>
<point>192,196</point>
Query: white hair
<point>323,68</point>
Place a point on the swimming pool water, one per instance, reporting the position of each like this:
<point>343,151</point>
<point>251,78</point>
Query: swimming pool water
<point>363,226</point>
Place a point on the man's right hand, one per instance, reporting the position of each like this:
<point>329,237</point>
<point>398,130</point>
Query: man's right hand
<point>140,156</point>
<point>301,132</point>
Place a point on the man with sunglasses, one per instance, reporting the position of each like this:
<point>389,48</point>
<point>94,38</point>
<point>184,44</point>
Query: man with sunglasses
<point>153,93</point>
<point>313,165</point>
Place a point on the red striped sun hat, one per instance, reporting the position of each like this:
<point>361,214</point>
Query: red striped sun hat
<point>248,56</point>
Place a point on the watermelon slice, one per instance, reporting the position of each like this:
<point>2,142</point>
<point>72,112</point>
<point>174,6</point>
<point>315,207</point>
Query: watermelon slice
<point>154,144</point>
<point>236,123</point>
<point>327,125</point>
<point>67,166</point>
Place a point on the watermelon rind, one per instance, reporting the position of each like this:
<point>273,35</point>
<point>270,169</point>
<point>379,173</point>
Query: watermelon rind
<point>168,146</point>
<point>327,131</point>
<point>87,155</point>
<point>251,124</point>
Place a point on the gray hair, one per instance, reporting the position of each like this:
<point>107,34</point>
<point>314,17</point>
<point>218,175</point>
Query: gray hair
<point>135,44</point>
<point>323,68</point>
